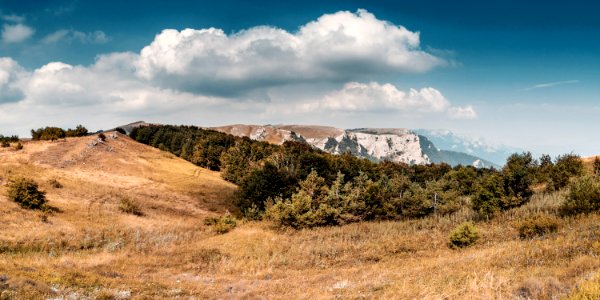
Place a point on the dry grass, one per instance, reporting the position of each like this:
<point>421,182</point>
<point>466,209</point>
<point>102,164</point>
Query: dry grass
<point>89,249</point>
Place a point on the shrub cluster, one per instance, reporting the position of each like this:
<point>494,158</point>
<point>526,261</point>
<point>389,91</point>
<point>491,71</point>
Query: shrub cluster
<point>26,193</point>
<point>222,224</point>
<point>6,140</point>
<point>537,225</point>
<point>316,203</point>
<point>9,139</point>
<point>583,197</point>
<point>55,133</point>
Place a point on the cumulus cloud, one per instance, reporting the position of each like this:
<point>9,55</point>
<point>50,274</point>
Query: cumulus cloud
<point>96,37</point>
<point>376,97</point>
<point>373,96</point>
<point>10,74</point>
<point>336,47</point>
<point>204,74</point>
<point>16,33</point>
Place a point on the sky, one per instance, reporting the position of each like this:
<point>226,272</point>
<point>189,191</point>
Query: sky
<point>520,73</point>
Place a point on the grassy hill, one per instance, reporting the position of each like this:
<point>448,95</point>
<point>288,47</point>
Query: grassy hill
<point>89,248</point>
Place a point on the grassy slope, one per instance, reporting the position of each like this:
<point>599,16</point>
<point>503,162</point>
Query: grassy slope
<point>92,249</point>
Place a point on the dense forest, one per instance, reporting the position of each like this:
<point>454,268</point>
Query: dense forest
<point>299,186</point>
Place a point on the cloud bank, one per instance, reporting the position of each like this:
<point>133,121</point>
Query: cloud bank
<point>332,64</point>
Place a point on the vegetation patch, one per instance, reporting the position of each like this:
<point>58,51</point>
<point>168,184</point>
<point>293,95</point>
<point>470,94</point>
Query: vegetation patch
<point>26,193</point>
<point>464,235</point>
<point>222,224</point>
<point>129,206</point>
<point>537,225</point>
<point>583,197</point>
<point>54,133</point>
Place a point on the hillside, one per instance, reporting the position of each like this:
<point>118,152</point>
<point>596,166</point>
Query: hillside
<point>89,249</point>
<point>87,231</point>
<point>376,144</point>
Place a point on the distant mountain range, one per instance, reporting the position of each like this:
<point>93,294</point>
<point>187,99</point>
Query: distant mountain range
<point>447,140</point>
<point>420,146</point>
<point>395,144</point>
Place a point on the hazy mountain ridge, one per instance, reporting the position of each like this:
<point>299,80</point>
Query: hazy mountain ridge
<point>395,144</point>
<point>450,141</point>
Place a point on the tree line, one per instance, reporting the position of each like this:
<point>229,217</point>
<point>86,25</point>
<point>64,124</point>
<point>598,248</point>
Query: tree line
<point>54,133</point>
<point>300,186</point>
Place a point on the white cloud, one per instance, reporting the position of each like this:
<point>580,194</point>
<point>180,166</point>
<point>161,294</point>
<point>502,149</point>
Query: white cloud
<point>373,96</point>
<point>189,73</point>
<point>13,18</point>
<point>10,74</point>
<point>549,84</point>
<point>337,47</point>
<point>16,33</point>
<point>96,37</point>
<point>466,112</point>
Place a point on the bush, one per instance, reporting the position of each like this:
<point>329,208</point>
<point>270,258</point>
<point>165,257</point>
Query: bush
<point>102,137</point>
<point>121,130</point>
<point>26,193</point>
<point>488,194</point>
<point>5,144</point>
<point>48,133</point>
<point>19,146</point>
<point>464,235</point>
<point>517,176</point>
<point>222,224</point>
<point>596,166</point>
<point>77,132</point>
<point>129,206</point>
<point>583,197</point>
<point>537,225</point>
<point>55,183</point>
<point>566,167</point>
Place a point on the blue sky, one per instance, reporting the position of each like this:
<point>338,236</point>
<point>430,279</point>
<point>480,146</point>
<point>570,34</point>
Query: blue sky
<point>522,73</point>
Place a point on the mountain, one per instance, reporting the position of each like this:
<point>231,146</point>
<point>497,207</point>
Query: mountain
<point>453,158</point>
<point>395,144</point>
<point>477,147</point>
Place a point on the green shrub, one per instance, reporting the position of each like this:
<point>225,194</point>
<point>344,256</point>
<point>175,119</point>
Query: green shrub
<point>488,194</point>
<point>537,225</point>
<point>77,132</point>
<point>583,197</point>
<point>566,167</point>
<point>48,133</point>
<point>5,144</point>
<point>102,137</point>
<point>129,206</point>
<point>464,235</point>
<point>517,177</point>
<point>222,224</point>
<point>26,193</point>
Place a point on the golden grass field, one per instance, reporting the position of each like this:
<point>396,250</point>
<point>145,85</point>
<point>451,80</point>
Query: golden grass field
<point>88,249</point>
